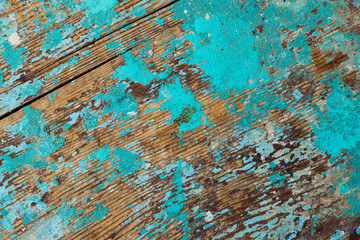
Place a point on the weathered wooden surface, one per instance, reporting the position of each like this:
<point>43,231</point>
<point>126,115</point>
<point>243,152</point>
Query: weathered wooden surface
<point>208,120</point>
<point>43,38</point>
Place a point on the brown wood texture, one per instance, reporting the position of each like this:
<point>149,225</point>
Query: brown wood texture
<point>76,41</point>
<point>202,120</point>
<point>79,144</point>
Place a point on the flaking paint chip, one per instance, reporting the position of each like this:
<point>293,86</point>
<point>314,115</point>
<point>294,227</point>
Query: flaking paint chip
<point>132,113</point>
<point>207,16</point>
<point>14,39</point>
<point>209,216</point>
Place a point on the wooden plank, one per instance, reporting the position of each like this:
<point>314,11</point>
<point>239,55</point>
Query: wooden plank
<point>82,61</point>
<point>240,123</point>
<point>35,35</point>
<point>77,144</point>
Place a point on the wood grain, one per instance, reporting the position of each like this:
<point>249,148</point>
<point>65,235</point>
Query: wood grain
<point>51,33</point>
<point>210,120</point>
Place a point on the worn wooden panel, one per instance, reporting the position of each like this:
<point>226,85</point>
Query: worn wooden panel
<point>86,59</point>
<point>239,121</point>
<point>67,117</point>
<point>36,34</point>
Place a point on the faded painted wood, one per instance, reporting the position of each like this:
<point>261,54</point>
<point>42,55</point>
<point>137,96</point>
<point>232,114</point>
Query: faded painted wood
<point>40,33</point>
<point>225,120</point>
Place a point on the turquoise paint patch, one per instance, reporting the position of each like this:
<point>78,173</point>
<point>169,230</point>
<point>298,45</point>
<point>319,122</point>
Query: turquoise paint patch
<point>44,143</point>
<point>117,102</point>
<point>350,189</point>
<point>95,7</point>
<point>116,45</point>
<point>159,21</point>
<point>15,58</point>
<point>20,209</point>
<point>297,94</point>
<point>135,70</point>
<point>338,235</point>
<point>52,227</point>
<point>17,95</point>
<point>176,100</point>
<point>73,119</point>
<point>68,213</point>
<point>139,10</point>
<point>171,210</point>
<point>122,162</point>
<point>287,227</point>
<point>125,132</point>
<point>226,49</point>
<point>335,130</point>
<point>90,120</point>
<point>1,78</point>
<point>53,39</point>
<point>33,154</point>
<point>4,6</point>
<point>278,177</point>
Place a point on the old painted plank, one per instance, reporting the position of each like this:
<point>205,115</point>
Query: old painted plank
<point>109,123</point>
<point>35,36</point>
<point>239,124</point>
<point>87,58</point>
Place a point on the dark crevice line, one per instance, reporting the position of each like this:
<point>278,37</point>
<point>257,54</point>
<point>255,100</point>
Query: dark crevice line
<point>124,26</point>
<point>103,36</point>
<point>33,75</point>
<point>55,88</point>
<point>18,108</point>
<point>5,115</point>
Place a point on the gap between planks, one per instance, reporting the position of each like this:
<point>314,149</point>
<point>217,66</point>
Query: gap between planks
<point>32,76</point>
